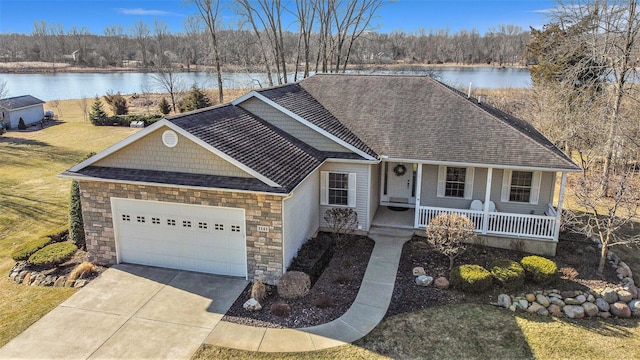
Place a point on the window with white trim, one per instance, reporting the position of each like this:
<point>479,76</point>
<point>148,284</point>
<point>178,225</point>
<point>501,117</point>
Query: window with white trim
<point>521,186</point>
<point>338,189</point>
<point>455,181</point>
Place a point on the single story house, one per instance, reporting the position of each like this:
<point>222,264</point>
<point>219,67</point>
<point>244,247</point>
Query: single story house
<point>237,188</point>
<point>27,107</point>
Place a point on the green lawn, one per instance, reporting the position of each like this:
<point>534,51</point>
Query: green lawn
<point>33,201</point>
<point>471,331</point>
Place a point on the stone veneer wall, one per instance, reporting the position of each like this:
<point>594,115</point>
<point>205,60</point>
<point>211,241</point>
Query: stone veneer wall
<point>264,250</point>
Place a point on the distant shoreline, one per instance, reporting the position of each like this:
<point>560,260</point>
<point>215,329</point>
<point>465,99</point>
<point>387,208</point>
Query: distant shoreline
<point>52,68</point>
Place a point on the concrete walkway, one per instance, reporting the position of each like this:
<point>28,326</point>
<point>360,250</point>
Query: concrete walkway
<point>363,316</point>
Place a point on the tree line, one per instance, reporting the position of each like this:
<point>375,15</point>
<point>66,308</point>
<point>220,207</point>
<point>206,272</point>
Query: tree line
<point>326,36</point>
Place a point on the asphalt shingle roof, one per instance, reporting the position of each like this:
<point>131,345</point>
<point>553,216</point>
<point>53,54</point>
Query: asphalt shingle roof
<point>417,117</point>
<point>293,98</point>
<point>177,178</point>
<point>253,142</point>
<point>18,102</point>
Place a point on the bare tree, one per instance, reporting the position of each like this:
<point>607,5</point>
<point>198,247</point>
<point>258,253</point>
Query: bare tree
<point>193,28</point>
<point>611,41</point>
<point>161,33</point>
<point>169,81</point>
<point>84,107</point>
<point>607,213</point>
<point>447,233</point>
<point>4,88</point>
<point>246,10</point>
<point>209,11</point>
<point>140,31</point>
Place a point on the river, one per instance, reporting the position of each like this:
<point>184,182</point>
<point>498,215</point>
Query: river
<point>60,86</point>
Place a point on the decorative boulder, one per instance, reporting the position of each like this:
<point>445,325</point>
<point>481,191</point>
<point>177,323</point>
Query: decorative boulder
<point>590,309</point>
<point>530,297</point>
<point>252,305</point>
<point>418,270</point>
<point>535,308</point>
<point>632,289</point>
<point>555,310</point>
<point>624,296</point>
<point>634,306</point>
<point>573,311</point>
<point>504,301</point>
<point>602,304</point>
<point>441,283</point>
<point>610,295</point>
<point>620,309</point>
<point>424,280</point>
<point>542,300</point>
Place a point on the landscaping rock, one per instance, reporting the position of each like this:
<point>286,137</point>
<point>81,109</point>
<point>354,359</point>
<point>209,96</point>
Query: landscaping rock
<point>424,280</point>
<point>68,283</point>
<point>573,311</point>
<point>581,299</point>
<point>535,308</point>
<point>504,301</point>
<point>604,314</point>
<point>570,293</point>
<point>555,310</point>
<point>252,305</point>
<point>441,283</point>
<point>512,308</point>
<point>557,302</point>
<point>27,279</point>
<point>610,295</point>
<point>48,281</point>
<point>572,301</point>
<point>590,309</point>
<point>530,297</point>
<point>523,304</point>
<point>628,281</point>
<point>620,309</point>
<point>80,283</point>
<point>623,269</point>
<point>418,270</point>
<point>542,300</point>
<point>38,280</point>
<point>602,304</point>
<point>624,296</point>
<point>60,281</point>
<point>632,289</point>
<point>634,306</point>
<point>591,298</point>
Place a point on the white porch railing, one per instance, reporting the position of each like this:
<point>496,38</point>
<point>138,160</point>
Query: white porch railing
<point>532,226</point>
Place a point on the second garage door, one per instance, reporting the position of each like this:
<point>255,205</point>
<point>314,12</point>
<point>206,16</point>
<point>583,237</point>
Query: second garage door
<point>180,236</point>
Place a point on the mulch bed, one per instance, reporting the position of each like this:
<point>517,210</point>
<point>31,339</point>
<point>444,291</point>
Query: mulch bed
<point>338,284</point>
<point>577,259</point>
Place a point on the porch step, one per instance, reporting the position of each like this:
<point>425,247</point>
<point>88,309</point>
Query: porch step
<point>390,231</point>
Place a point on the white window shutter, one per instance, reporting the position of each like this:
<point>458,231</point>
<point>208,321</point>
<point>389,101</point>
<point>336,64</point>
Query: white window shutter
<point>468,183</point>
<point>535,188</point>
<point>352,190</point>
<point>506,185</point>
<point>442,179</point>
<point>324,188</point>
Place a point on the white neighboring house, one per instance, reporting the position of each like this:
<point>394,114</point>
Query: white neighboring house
<point>27,107</point>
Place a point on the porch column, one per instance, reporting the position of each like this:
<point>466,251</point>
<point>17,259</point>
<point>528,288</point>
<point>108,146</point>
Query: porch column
<point>563,184</point>
<point>487,198</point>
<point>418,185</point>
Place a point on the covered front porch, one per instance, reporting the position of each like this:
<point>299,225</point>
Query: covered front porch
<point>501,202</point>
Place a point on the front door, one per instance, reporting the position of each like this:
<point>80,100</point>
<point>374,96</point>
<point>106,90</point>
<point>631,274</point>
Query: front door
<point>400,183</point>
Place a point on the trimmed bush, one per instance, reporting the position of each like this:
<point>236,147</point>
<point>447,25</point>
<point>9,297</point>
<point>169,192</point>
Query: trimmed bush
<point>541,270</point>
<point>59,234</point>
<point>29,248</point>
<point>471,278</point>
<point>294,285</point>
<point>53,254</point>
<point>323,301</point>
<point>280,309</point>
<point>507,273</point>
<point>21,124</point>
<point>76,223</point>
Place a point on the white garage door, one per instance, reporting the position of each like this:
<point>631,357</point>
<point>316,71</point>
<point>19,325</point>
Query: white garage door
<point>188,237</point>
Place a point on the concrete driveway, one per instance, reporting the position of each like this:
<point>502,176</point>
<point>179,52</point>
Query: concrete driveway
<point>131,312</point>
